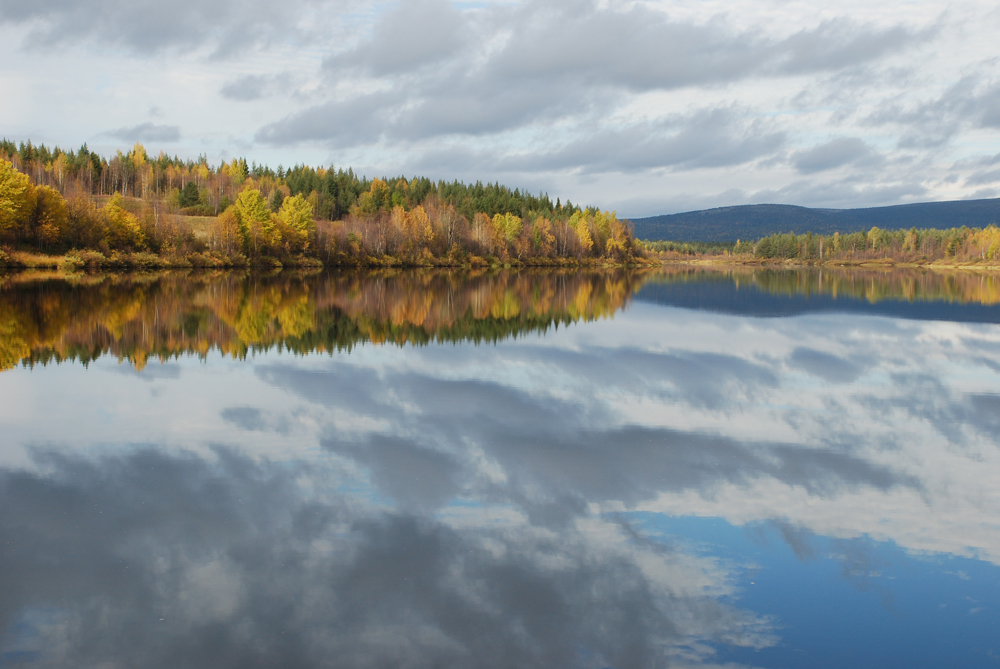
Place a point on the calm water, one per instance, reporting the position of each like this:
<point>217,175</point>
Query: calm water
<point>768,469</point>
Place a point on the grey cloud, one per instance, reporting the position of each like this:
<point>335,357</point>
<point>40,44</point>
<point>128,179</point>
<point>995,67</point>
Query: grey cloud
<point>644,49</point>
<point>400,115</point>
<point>640,49</point>
<point>862,190</point>
<point>712,138</point>
<point>826,366</point>
<point>708,138</point>
<point>979,162</point>
<point>971,102</point>
<point>356,389</point>
<point>835,153</point>
<point>983,177</point>
<point>252,419</point>
<point>251,87</point>
<point>842,43</point>
<point>483,108</point>
<point>704,380</point>
<point>845,193</point>
<point>416,477</point>
<point>148,559</point>
<point>146,27</point>
<point>983,194</point>
<point>561,451</point>
<point>245,418</point>
<point>928,400</point>
<point>554,63</point>
<point>984,412</point>
<point>415,34</point>
<point>634,464</point>
<point>361,120</point>
<point>986,105</point>
<point>146,132</point>
<point>800,540</point>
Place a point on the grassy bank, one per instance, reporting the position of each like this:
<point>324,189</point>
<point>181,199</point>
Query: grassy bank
<point>88,260</point>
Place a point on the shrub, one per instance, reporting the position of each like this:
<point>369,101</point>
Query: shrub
<point>84,259</point>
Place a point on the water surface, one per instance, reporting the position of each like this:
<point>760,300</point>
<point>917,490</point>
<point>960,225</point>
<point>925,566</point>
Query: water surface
<point>552,469</point>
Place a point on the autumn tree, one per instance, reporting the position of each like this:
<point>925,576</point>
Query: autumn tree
<point>124,231</point>
<point>256,226</point>
<point>580,223</point>
<point>296,220</point>
<point>542,239</point>
<point>226,235</point>
<point>51,219</point>
<point>16,197</point>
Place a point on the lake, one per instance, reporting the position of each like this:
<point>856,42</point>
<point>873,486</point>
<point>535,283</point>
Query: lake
<point>676,467</point>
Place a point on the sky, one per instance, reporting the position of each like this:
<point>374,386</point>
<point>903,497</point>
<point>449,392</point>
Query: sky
<point>643,107</point>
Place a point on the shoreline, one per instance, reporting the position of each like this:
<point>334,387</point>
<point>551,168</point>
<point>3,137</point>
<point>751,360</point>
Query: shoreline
<point>94,261</point>
<point>831,264</point>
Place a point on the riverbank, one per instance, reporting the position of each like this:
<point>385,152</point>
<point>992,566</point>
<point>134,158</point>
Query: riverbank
<point>88,260</point>
<point>874,263</point>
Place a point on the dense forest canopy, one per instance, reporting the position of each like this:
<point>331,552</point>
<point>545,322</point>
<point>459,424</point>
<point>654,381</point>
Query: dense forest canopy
<point>212,188</point>
<point>132,203</point>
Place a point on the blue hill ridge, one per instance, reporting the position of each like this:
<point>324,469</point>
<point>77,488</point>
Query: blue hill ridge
<point>753,221</point>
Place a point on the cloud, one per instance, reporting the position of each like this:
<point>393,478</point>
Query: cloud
<point>252,87</point>
<point>415,476</point>
<point>981,177</point>
<point>835,153</point>
<point>704,139</point>
<point>148,559</point>
<point>969,103</point>
<point>252,419</point>
<point>842,43</point>
<point>669,102</point>
<point>416,34</point>
<point>510,68</point>
<point>847,193</point>
<point>555,450</point>
<point>146,132</point>
<point>146,27</point>
<point>361,120</point>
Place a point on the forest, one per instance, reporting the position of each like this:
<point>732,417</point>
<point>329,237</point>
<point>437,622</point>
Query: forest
<point>78,209</point>
<point>955,246</point>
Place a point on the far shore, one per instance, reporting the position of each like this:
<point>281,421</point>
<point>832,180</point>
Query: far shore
<point>736,261</point>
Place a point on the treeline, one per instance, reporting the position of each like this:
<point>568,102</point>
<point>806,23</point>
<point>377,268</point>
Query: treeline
<point>687,248</point>
<point>136,317</point>
<point>206,189</point>
<point>926,245</point>
<point>957,245</point>
<point>53,201</point>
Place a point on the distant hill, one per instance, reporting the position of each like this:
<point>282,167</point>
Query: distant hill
<point>752,221</point>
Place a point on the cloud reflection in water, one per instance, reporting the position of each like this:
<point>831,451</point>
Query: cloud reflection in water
<point>161,559</point>
<point>475,505</point>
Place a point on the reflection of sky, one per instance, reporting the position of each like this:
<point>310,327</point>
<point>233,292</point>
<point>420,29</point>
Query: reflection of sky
<point>475,505</point>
